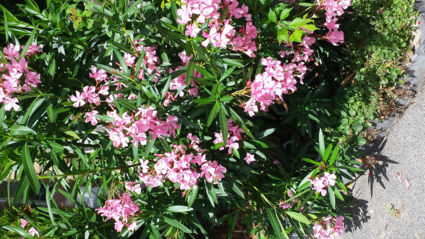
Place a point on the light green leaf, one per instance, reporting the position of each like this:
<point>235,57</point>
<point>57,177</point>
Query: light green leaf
<point>17,130</point>
<point>272,16</point>
<point>177,224</point>
<point>179,208</point>
<point>298,216</point>
<point>331,197</point>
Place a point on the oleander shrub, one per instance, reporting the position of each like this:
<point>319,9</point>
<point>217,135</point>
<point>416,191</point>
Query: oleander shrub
<point>182,119</point>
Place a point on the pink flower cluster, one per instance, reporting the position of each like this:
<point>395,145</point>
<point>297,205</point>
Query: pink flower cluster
<point>15,72</point>
<point>334,8</point>
<point>219,15</point>
<point>329,228</point>
<point>127,128</point>
<point>179,82</point>
<point>134,127</point>
<point>121,210</point>
<point>32,231</point>
<point>150,60</point>
<point>233,137</point>
<point>320,184</point>
<point>181,167</point>
<point>279,79</point>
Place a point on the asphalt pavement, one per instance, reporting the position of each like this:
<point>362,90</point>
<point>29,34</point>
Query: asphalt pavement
<point>390,200</point>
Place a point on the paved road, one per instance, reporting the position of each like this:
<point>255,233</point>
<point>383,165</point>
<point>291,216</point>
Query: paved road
<point>389,209</point>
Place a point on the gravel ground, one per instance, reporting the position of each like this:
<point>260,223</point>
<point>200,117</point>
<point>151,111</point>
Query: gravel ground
<point>385,206</point>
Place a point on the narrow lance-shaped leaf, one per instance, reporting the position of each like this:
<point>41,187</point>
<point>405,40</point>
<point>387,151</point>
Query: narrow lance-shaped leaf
<point>223,124</point>
<point>213,113</point>
<point>29,169</point>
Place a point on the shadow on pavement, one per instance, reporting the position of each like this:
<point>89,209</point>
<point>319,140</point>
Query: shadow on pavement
<point>377,164</point>
<point>358,211</point>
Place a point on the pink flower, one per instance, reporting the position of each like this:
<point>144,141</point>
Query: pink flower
<point>129,59</point>
<point>11,52</point>
<point>192,30</point>
<point>249,158</point>
<point>132,187</point>
<point>33,232</point>
<point>132,226</point>
<point>11,103</point>
<point>78,100</point>
<point>118,226</point>
<point>98,75</point>
<point>335,37</point>
<point>329,227</point>
<point>33,49</point>
<point>24,223</point>
<point>276,162</point>
<point>329,179</point>
<point>121,210</point>
<point>91,117</point>
<point>284,206</point>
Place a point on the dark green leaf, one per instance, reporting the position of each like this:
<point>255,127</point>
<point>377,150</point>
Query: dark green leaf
<point>213,113</point>
<point>29,169</point>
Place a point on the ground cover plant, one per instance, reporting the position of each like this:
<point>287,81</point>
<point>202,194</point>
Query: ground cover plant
<point>190,119</point>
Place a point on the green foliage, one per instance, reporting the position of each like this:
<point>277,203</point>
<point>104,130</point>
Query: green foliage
<point>340,95</point>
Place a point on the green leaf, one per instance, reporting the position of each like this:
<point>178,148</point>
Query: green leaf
<point>311,161</point>
<point>272,16</point>
<point>18,230</point>
<point>6,169</point>
<point>204,101</point>
<point>48,199</point>
<point>233,62</point>
<point>327,152</point>
<point>29,169</point>
<point>274,221</point>
<point>227,73</point>
<point>237,190</point>
<point>305,182</point>
<point>296,36</point>
<point>282,34</point>
<point>223,124</point>
<point>204,72</point>
<point>31,109</point>
<point>212,197</point>
<point>72,134</point>
<point>179,208</point>
<point>331,197</point>
<point>213,113</point>
<point>321,144</point>
<point>6,27</point>
<point>342,186</point>
<point>285,13</point>
<point>338,194</point>
<point>177,224</point>
<point>50,113</point>
<point>298,216</point>
<point>226,98</point>
<point>192,196</point>
<point>334,155</point>
<point>121,60</point>
<point>17,130</point>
